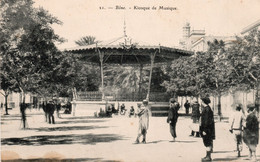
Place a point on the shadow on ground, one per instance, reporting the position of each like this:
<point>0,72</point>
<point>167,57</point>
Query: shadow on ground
<point>79,117</point>
<point>184,141</point>
<point>80,121</point>
<point>218,152</point>
<point>10,119</point>
<point>154,142</point>
<point>91,139</point>
<point>71,128</point>
<point>57,160</point>
<point>230,159</point>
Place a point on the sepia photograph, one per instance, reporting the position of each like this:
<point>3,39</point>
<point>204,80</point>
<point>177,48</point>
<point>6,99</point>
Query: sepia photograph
<point>129,81</point>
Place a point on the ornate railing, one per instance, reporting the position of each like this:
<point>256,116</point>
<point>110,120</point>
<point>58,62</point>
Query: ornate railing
<point>124,96</point>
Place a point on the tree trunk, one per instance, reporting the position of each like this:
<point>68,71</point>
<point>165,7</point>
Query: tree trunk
<point>181,102</point>
<point>219,106</point>
<point>23,109</point>
<point>213,103</point>
<point>6,105</point>
<point>257,98</point>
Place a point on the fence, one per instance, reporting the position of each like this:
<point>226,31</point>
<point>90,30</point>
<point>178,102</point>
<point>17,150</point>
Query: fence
<point>123,96</point>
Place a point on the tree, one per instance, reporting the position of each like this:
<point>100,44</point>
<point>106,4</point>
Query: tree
<point>184,77</point>
<point>28,43</point>
<point>7,85</point>
<point>204,74</point>
<point>243,59</point>
<point>219,71</point>
<point>87,40</point>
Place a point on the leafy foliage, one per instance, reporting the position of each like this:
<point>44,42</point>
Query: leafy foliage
<point>27,44</point>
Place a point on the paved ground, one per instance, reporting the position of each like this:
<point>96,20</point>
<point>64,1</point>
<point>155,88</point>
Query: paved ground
<point>82,138</point>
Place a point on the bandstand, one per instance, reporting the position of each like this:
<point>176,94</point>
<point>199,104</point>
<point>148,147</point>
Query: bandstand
<point>124,51</point>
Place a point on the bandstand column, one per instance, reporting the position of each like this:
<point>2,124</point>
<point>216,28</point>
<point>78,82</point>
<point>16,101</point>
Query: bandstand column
<point>101,58</point>
<point>150,77</point>
<point>140,83</point>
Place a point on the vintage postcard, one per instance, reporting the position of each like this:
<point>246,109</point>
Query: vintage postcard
<point>95,80</point>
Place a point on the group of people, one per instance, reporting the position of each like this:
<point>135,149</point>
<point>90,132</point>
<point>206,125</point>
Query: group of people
<point>53,105</point>
<point>49,109</point>
<point>244,125</point>
<point>110,110</point>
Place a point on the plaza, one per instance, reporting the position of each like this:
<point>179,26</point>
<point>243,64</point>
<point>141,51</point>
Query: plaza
<point>85,138</point>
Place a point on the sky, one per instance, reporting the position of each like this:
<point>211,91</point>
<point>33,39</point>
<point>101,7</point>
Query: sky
<point>85,17</point>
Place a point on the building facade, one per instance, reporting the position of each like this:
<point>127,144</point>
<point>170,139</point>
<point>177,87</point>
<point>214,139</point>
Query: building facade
<point>197,41</point>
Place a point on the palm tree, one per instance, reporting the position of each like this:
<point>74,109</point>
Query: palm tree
<point>126,78</point>
<point>86,40</point>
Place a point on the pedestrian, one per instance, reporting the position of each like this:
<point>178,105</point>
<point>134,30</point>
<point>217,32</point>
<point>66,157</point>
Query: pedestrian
<point>207,127</point>
<point>122,109</point>
<point>131,111</point>
<point>44,107</point>
<point>109,111</point>
<point>187,107</point>
<point>58,108</point>
<point>69,106</point>
<point>143,114</point>
<point>195,116</point>
<point>23,107</point>
<point>114,110</point>
<point>173,117</point>
<point>251,131</point>
<point>236,128</point>
<point>50,107</point>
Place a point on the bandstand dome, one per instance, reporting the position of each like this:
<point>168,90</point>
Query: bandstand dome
<point>124,50</point>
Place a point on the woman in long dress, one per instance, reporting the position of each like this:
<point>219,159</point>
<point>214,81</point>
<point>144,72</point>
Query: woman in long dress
<point>251,131</point>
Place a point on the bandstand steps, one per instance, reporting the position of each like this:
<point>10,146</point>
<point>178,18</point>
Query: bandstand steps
<point>159,109</point>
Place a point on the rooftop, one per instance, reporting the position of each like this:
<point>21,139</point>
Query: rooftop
<point>251,27</point>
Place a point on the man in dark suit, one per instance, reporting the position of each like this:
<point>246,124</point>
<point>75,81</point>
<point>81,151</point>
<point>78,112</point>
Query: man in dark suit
<point>207,127</point>
<point>187,106</point>
<point>173,117</point>
<point>50,108</point>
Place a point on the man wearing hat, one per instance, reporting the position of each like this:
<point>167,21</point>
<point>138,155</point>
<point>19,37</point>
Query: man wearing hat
<point>251,131</point>
<point>143,114</point>
<point>207,127</point>
<point>236,127</point>
<point>173,117</point>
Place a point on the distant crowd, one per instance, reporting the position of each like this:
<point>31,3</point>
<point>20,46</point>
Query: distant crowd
<point>244,124</point>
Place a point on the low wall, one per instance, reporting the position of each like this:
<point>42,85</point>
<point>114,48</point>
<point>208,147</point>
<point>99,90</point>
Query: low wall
<point>88,108</point>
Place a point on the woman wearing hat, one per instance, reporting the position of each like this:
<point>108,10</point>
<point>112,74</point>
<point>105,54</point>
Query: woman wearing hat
<point>251,131</point>
<point>143,114</point>
<point>195,116</point>
<point>207,127</point>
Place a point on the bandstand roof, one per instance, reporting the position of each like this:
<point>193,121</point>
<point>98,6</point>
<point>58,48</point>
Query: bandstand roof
<point>124,50</point>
